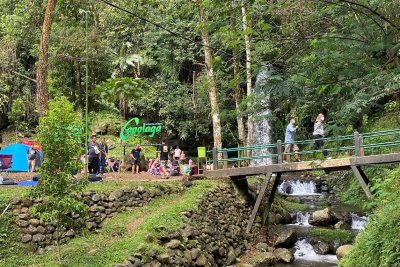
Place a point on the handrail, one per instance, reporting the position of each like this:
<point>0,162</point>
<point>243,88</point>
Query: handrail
<point>358,146</point>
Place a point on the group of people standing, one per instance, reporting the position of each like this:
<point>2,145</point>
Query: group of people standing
<point>290,138</point>
<point>97,155</point>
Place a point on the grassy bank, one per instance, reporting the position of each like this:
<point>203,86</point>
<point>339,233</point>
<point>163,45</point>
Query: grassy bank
<point>123,234</point>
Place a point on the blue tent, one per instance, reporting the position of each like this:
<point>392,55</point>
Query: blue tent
<point>20,157</point>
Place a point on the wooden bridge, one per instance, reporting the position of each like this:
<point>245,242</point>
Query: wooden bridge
<point>349,152</point>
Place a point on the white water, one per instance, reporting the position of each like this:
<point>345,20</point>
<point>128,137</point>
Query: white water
<point>305,252</point>
<point>305,188</point>
<point>358,222</point>
<point>302,218</point>
<point>261,131</point>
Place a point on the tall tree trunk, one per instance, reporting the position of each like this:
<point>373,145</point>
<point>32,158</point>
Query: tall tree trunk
<point>250,139</point>
<point>212,88</point>
<point>238,96</point>
<point>42,94</point>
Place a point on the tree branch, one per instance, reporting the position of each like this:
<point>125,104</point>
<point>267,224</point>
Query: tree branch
<point>24,76</point>
<point>316,37</point>
<point>369,9</point>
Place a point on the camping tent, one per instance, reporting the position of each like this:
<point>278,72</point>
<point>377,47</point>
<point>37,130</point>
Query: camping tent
<point>20,157</point>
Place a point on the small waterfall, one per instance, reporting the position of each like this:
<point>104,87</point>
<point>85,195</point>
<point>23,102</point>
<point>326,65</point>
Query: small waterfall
<point>301,218</point>
<point>261,131</point>
<point>297,188</point>
<point>358,222</point>
<point>305,251</point>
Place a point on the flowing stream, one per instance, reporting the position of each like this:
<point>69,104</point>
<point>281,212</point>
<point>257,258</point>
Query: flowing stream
<point>307,192</point>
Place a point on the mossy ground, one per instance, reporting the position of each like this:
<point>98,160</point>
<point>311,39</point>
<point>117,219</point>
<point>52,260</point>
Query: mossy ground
<point>329,235</point>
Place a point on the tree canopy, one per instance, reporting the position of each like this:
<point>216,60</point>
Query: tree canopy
<point>147,58</point>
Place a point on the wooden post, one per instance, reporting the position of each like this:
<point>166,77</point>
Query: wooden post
<point>362,179</point>
<point>360,137</point>
<point>357,144</point>
<point>271,197</point>
<point>258,202</point>
<point>225,156</point>
<point>279,151</point>
<point>215,158</point>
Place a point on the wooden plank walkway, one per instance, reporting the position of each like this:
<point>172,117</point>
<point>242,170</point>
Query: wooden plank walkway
<point>331,164</point>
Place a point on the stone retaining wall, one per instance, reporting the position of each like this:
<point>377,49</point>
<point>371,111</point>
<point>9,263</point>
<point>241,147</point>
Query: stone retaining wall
<point>213,234</point>
<point>42,236</point>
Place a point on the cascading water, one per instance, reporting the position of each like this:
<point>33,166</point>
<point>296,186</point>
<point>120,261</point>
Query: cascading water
<point>304,251</point>
<point>301,218</point>
<point>298,188</point>
<point>261,131</point>
<point>358,222</point>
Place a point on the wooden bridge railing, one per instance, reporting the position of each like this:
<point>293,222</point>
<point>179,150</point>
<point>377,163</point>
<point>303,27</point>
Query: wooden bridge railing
<point>353,145</point>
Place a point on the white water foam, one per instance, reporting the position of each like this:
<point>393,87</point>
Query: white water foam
<point>358,222</point>
<point>261,130</point>
<point>304,251</point>
<point>304,188</point>
<point>302,219</point>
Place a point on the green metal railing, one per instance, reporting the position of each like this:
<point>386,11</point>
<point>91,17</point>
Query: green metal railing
<point>353,145</point>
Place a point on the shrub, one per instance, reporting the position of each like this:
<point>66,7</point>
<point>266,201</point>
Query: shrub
<point>59,134</point>
<point>379,244</point>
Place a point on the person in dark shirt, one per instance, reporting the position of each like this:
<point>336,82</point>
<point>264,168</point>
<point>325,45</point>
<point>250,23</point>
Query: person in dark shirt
<point>32,155</point>
<point>163,155</point>
<point>1,141</point>
<point>93,156</point>
<point>103,155</point>
<point>135,154</point>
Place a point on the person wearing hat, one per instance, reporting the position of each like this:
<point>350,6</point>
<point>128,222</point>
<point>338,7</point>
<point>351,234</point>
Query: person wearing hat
<point>93,156</point>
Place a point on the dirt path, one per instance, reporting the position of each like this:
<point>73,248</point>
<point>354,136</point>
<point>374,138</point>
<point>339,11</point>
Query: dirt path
<point>134,224</point>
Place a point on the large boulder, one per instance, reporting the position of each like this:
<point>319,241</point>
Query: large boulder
<point>284,255</point>
<point>279,215</point>
<point>285,238</point>
<point>323,218</point>
<point>343,250</point>
<point>265,259</point>
<point>322,248</point>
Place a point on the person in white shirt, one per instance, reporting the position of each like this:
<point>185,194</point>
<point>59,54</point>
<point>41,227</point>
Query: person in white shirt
<point>177,153</point>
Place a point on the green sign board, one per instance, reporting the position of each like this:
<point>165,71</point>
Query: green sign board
<point>132,128</point>
<point>201,152</point>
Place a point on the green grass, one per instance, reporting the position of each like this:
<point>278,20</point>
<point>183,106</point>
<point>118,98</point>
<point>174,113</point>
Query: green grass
<point>109,186</point>
<point>8,192</point>
<point>293,206</point>
<point>329,235</point>
<point>115,243</point>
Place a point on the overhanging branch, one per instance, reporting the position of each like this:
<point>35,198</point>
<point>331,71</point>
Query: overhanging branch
<point>369,9</point>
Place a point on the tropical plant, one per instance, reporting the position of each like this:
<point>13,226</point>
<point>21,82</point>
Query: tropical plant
<point>59,133</point>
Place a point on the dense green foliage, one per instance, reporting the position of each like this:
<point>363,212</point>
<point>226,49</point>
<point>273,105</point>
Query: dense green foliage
<point>379,244</point>
<point>59,133</point>
<point>337,56</point>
